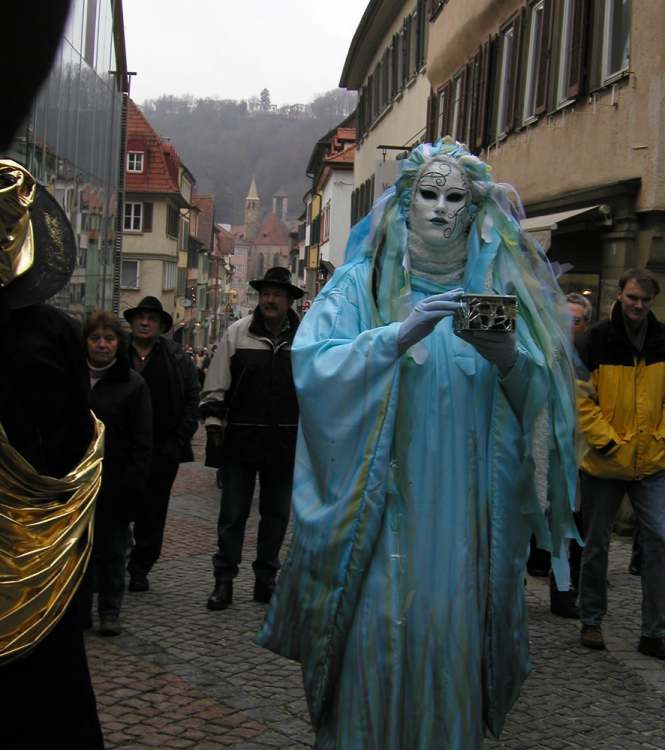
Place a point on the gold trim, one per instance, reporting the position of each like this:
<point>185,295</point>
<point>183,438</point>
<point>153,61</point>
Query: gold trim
<point>46,531</point>
<point>17,242</point>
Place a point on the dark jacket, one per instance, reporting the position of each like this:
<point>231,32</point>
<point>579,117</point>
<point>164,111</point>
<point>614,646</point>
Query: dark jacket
<point>250,386</point>
<point>177,404</point>
<point>621,405</point>
<point>44,388</point>
<point>121,400</point>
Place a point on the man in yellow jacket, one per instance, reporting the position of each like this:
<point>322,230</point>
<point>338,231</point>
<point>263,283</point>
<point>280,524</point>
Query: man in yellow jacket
<point>621,413</point>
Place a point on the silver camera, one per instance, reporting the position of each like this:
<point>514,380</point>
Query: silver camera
<point>486,312</point>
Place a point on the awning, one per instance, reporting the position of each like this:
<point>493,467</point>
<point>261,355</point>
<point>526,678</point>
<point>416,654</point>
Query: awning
<point>550,222</point>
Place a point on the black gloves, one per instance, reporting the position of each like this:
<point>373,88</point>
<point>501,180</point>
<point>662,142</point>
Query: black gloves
<point>214,437</point>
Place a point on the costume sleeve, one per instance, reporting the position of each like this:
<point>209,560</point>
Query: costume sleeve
<point>217,382</point>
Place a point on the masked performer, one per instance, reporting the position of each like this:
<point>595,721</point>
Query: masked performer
<point>423,466</point>
<point>50,471</point>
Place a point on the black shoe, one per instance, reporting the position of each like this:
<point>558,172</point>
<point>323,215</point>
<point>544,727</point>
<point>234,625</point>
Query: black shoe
<point>635,569</point>
<point>109,625</point>
<point>562,604</point>
<point>263,591</point>
<point>222,596</point>
<point>139,583</point>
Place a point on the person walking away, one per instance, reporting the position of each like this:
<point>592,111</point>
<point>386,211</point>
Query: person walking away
<point>622,416</point>
<point>121,399</point>
<point>174,392</point>
<point>249,385</point>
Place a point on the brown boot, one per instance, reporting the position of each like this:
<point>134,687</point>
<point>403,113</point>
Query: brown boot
<point>592,637</point>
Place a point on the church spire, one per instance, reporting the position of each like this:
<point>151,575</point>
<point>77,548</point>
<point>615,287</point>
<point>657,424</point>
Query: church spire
<point>252,211</point>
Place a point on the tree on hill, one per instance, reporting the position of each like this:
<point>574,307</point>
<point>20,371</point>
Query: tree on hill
<point>225,142</point>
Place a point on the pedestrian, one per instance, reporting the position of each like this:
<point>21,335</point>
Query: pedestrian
<point>621,413</point>
<point>50,468</point>
<point>425,457</point>
<point>121,399</point>
<point>564,603</point>
<point>174,393</point>
<point>249,387</point>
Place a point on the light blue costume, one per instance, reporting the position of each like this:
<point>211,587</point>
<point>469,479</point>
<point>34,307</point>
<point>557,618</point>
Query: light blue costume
<point>418,482</point>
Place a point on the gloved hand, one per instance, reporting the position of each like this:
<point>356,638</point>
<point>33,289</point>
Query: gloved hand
<point>425,315</point>
<point>214,437</point>
<point>498,347</point>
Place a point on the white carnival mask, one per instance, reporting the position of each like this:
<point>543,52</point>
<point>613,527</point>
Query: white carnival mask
<point>439,213</point>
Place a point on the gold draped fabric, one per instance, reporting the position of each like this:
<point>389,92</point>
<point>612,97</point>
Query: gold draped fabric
<point>46,530</point>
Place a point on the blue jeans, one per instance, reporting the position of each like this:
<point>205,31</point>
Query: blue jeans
<point>600,501</point>
<point>238,480</point>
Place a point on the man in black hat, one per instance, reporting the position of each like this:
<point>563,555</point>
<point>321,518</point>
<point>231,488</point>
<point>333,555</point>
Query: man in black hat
<point>174,390</point>
<point>249,387</point>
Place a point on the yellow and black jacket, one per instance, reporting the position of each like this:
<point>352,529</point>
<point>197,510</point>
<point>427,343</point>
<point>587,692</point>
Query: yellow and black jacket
<point>620,406</point>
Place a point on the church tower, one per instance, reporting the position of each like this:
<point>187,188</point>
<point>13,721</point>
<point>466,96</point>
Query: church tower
<point>252,211</point>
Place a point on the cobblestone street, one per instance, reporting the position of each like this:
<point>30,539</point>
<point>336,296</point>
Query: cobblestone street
<point>181,676</point>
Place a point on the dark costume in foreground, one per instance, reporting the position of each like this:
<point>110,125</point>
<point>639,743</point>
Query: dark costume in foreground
<point>419,480</point>
<point>50,471</point>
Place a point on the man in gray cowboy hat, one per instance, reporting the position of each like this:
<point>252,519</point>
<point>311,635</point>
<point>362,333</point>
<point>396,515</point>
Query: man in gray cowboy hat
<point>249,388</point>
<point>174,390</point>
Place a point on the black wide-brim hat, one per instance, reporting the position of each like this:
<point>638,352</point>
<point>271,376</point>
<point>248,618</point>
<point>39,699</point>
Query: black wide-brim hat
<point>49,232</point>
<point>150,304</point>
<point>278,276</point>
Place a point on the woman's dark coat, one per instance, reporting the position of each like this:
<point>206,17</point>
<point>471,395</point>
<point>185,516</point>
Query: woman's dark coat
<point>121,399</point>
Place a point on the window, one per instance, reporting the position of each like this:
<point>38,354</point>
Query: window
<point>182,282</point>
<point>133,216</point>
<point>505,82</point>
<point>616,37</point>
<point>170,275</point>
<point>135,161</point>
<point>457,125</point>
<point>129,274</point>
<point>201,296</point>
<point>172,221</point>
<point>564,52</point>
<point>533,61</point>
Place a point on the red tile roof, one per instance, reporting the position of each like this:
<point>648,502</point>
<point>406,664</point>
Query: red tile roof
<point>161,162</point>
<point>272,232</point>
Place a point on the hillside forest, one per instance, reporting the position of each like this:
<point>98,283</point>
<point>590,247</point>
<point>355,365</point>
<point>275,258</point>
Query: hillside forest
<point>224,142</point>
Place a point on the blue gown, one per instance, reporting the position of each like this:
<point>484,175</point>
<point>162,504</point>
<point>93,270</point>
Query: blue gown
<point>402,594</point>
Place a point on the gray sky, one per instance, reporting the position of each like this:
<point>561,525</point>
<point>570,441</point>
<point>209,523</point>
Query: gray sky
<point>234,48</point>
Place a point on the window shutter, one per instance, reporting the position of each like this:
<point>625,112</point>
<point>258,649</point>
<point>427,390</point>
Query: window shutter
<point>578,48</point>
<point>430,136</point>
<point>395,65</point>
<point>475,65</point>
<point>513,119</point>
<point>421,20</point>
<point>545,58</point>
<point>443,105</point>
<point>406,49</point>
<point>480,120</point>
<point>147,217</point>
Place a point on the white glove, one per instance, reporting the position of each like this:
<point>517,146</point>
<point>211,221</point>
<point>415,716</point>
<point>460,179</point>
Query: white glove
<point>425,315</point>
<point>498,347</point>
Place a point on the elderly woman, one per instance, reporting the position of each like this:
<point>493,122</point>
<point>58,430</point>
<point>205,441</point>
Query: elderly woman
<point>121,400</point>
<point>423,467</point>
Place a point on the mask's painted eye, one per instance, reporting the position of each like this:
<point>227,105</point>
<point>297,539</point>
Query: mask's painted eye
<point>428,195</point>
<point>456,197</point>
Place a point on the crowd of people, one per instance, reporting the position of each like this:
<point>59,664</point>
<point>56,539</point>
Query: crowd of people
<point>419,454</point>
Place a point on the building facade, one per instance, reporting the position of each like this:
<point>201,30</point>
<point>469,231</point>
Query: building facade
<point>386,65</point>
<point>156,220</point>
<point>564,98</point>
<point>72,142</point>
